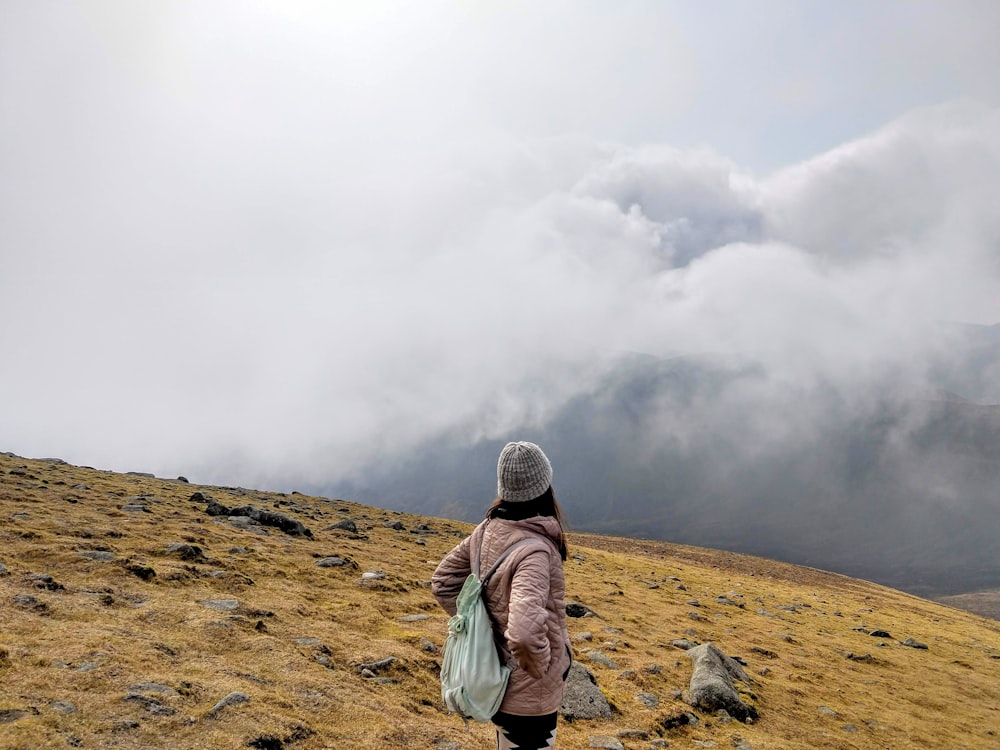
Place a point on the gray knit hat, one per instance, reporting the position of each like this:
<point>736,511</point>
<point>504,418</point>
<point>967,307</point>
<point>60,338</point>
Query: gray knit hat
<point>523,472</point>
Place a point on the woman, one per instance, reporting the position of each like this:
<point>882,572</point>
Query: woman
<point>525,597</point>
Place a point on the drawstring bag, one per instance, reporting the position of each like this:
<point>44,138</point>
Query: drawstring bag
<point>473,680</point>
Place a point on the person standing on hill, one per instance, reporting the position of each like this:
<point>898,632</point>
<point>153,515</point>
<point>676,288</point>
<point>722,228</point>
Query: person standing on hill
<point>525,597</point>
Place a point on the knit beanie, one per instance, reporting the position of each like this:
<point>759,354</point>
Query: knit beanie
<point>523,472</point>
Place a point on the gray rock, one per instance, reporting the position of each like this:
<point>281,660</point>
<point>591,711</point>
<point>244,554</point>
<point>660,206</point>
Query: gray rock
<point>711,686</point>
<point>608,743</point>
<point>98,555</point>
<point>428,646</point>
<point>583,699</point>
<point>233,699</point>
<point>8,715</point>
<point>306,640</point>
<point>153,706</point>
<point>880,634</point>
<point>827,712</point>
<point>153,687</point>
<point>221,605</point>
<point>87,666</point>
<point>683,643</point>
<point>632,734</point>
<point>395,525</point>
<point>63,707</point>
<point>414,618</point>
<point>133,508</point>
<point>915,644</point>
<point>373,575</point>
<point>3,570</point>
<point>377,666</point>
<point>332,562</point>
<point>599,658</point>
<point>850,728</point>
<point>346,525</point>
<point>647,699</point>
<point>741,744</point>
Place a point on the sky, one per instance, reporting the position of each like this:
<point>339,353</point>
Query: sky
<point>268,243</point>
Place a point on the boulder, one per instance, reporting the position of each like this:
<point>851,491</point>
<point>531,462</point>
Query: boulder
<point>583,699</point>
<point>711,686</point>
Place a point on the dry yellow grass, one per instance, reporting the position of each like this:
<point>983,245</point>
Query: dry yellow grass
<point>107,630</point>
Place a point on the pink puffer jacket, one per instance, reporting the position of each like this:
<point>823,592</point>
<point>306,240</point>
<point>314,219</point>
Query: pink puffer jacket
<point>526,597</point>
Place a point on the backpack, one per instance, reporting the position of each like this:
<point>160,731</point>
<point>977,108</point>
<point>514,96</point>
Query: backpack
<point>473,679</point>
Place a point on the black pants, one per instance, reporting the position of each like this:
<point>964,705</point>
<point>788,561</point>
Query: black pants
<point>525,732</point>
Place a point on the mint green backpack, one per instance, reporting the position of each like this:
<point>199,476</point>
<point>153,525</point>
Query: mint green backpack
<point>473,680</point>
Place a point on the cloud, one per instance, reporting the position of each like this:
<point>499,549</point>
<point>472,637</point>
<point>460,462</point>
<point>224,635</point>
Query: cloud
<point>286,252</point>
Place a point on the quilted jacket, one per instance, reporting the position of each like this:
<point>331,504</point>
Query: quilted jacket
<point>526,597</point>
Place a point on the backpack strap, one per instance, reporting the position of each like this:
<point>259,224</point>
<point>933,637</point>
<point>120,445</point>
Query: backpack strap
<point>503,556</point>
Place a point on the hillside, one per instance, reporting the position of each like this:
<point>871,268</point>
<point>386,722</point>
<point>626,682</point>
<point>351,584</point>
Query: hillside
<point>129,613</point>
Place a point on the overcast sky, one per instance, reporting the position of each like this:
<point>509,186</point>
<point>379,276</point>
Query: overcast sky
<point>272,242</point>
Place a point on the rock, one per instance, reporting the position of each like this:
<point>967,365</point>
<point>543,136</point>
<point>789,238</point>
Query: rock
<point>183,480</point>
<point>377,666</point>
<point>135,508</point>
<point>346,525</point>
<point>373,575</point>
<point>608,743</point>
<point>827,712</point>
<point>333,562</point>
<point>98,555</point>
<point>87,666</point>
<point>63,707</point>
<point>849,728</point>
<point>217,509</point>
<point>647,699</point>
<point>237,550</point>
<point>681,719</point>
<point>47,582</point>
<point>696,616</point>
<point>233,699</point>
<point>683,643</point>
<point>414,618</point>
<point>868,658</point>
<point>599,658</point>
<point>880,634</point>
<point>584,636</point>
<point>199,497</point>
<point>395,525</point>
<point>142,571</point>
<point>306,640</point>
<point>189,552</point>
<point>574,609</point>
<point>741,744</point>
<point>915,644</point>
<point>145,474</point>
<point>8,715</point>
<point>152,705</point>
<point>153,687</point>
<point>285,523</point>
<point>583,699</point>
<point>632,734</point>
<point>3,570</point>
<point>711,686</point>
<point>222,605</point>
<point>429,646</point>
<point>763,652</point>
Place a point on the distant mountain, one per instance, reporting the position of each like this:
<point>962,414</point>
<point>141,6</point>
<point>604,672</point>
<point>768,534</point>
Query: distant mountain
<point>895,483</point>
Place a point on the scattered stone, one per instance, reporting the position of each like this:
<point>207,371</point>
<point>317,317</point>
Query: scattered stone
<point>306,640</point>
<point>585,636</point>
<point>346,525</point>
<point>199,497</point>
<point>30,602</point>
<point>217,509</point>
<point>142,571</point>
<point>723,716</point>
<point>153,706</point>
<point>414,618</point>
<point>647,699</point>
<point>915,644</point>
<point>98,555</point>
<point>395,525</point>
<point>377,666</point>
<point>233,699</point>
<point>125,725</point>
<point>608,743</point>
<point>673,721</point>
<point>868,658</point>
<point>87,666</point>
<point>573,609</point>
<point>3,570</point>
<point>827,712</point>
<point>334,562</point>
<point>711,686</point>
<point>764,652</point>
<point>285,523</point>
<point>683,644</point>
<point>583,699</point>
<point>63,707</point>
<point>727,601</point>
<point>183,480</point>
<point>237,550</point>
<point>880,634</point>
<point>741,744</point>
<point>145,474</point>
<point>8,715</point>
<point>47,582</point>
<point>153,687</point>
<point>429,646</point>
<point>599,658</point>
<point>135,508</point>
<point>693,603</point>
<point>423,529</point>
<point>188,552</point>
<point>653,668</point>
<point>222,605</point>
<point>696,616</point>
<point>373,575</point>
<point>850,728</point>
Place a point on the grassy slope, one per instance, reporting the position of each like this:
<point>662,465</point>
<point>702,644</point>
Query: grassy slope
<point>107,630</point>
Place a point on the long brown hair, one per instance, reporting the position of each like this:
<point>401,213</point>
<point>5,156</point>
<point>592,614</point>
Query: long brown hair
<point>543,505</point>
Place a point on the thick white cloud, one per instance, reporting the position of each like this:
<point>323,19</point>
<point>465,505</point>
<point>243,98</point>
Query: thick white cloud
<point>271,246</point>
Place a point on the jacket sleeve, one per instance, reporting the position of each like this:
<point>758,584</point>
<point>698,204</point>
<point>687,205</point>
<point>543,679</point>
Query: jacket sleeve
<point>450,575</point>
<point>527,634</point>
